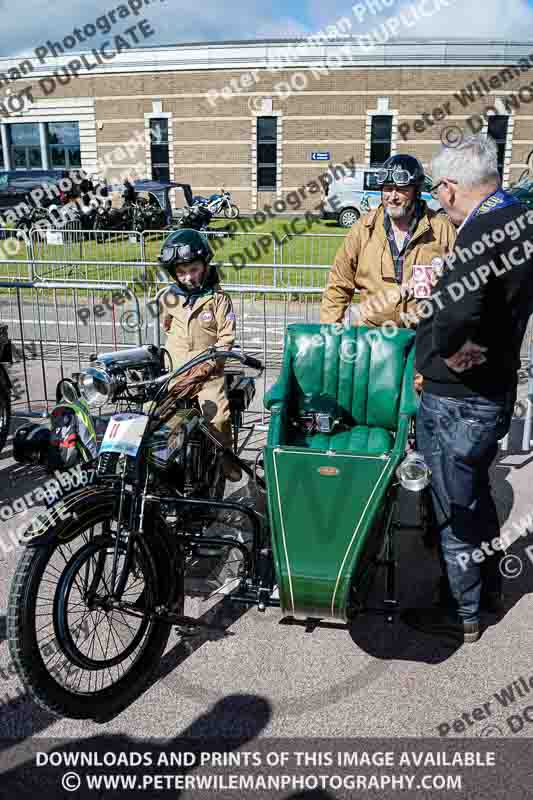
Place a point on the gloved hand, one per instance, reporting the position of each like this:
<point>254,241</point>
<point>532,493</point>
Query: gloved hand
<point>189,384</point>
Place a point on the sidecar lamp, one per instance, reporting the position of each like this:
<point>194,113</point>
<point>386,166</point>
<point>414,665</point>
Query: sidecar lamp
<point>413,473</point>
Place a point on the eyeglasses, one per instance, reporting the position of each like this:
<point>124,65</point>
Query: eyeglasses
<point>434,189</point>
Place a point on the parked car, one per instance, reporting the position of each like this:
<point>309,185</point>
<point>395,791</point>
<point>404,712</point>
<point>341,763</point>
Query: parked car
<point>523,191</point>
<point>358,193</point>
<point>16,185</point>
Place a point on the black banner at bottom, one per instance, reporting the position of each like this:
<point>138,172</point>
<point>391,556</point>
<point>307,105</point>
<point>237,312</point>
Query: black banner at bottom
<point>113,766</point>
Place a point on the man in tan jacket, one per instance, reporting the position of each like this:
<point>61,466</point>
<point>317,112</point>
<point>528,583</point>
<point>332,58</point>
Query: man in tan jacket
<point>381,249</point>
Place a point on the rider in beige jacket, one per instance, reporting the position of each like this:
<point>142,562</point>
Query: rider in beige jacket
<point>378,254</point>
<point>198,315</point>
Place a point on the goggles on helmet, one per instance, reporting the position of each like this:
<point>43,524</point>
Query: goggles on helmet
<point>181,254</point>
<point>397,176</point>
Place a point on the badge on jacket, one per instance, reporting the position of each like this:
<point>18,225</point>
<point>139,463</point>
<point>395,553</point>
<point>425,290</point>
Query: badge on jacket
<point>423,278</point>
<point>206,316</point>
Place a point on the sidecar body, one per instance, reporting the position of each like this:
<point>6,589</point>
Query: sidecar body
<point>341,412</point>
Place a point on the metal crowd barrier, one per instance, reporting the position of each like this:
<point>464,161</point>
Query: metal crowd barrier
<point>316,250</point>
<point>56,325</point>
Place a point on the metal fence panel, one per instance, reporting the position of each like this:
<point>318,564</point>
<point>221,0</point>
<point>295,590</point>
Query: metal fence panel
<point>314,250</point>
<point>55,327</point>
<point>15,254</point>
<point>75,254</point>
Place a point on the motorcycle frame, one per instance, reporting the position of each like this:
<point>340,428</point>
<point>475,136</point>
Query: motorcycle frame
<point>253,588</point>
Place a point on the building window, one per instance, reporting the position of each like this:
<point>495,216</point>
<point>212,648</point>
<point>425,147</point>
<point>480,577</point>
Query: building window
<point>267,136</point>
<point>159,149</point>
<point>64,144</point>
<point>380,138</point>
<point>497,128</point>
<point>26,146</point>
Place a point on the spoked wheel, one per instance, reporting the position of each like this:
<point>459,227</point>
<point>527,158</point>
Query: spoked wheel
<point>77,654</point>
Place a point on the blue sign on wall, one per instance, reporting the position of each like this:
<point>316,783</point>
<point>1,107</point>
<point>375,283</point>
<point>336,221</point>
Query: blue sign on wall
<point>321,155</point>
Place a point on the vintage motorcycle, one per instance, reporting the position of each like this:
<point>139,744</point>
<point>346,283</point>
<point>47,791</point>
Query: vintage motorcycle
<point>115,554</point>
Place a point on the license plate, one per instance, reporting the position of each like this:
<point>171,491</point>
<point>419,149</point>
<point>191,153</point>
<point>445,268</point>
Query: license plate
<point>124,434</point>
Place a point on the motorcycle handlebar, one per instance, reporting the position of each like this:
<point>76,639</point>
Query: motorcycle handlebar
<point>247,361</point>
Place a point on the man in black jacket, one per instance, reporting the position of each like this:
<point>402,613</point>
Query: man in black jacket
<point>468,351</point>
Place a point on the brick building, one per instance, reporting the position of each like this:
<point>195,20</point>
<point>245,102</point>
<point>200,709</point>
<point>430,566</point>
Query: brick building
<point>249,115</point>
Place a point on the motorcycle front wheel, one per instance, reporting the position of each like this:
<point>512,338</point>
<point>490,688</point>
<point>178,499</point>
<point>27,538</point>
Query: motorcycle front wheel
<point>76,655</point>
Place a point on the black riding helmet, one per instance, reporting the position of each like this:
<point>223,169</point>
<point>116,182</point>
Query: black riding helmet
<point>401,170</point>
<point>183,247</point>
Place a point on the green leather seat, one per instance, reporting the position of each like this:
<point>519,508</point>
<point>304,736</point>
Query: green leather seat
<point>359,373</point>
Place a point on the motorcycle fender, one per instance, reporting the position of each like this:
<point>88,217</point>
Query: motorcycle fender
<point>61,520</point>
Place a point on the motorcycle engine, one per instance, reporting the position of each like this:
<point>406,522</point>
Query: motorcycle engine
<point>114,375</point>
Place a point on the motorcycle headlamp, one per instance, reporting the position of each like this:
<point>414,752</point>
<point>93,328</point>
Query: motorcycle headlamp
<point>398,177</point>
<point>413,473</point>
<point>97,387</point>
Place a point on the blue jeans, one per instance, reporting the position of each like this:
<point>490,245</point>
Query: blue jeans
<point>459,440</point>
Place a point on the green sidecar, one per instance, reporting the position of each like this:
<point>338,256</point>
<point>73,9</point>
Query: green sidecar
<point>341,414</point>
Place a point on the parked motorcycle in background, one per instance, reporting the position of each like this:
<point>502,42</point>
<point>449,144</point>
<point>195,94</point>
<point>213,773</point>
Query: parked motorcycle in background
<point>197,217</point>
<point>219,204</point>
<point>148,216</point>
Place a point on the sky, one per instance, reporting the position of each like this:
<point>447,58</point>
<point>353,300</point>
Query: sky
<point>179,21</point>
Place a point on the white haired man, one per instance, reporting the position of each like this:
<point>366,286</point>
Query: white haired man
<point>468,351</point>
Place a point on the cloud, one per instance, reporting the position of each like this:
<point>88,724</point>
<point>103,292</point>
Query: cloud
<point>174,21</point>
<point>179,21</point>
<point>510,19</point>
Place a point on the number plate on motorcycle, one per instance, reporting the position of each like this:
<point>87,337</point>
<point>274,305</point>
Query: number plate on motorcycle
<point>124,434</point>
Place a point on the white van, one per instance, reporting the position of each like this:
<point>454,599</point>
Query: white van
<point>358,193</point>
